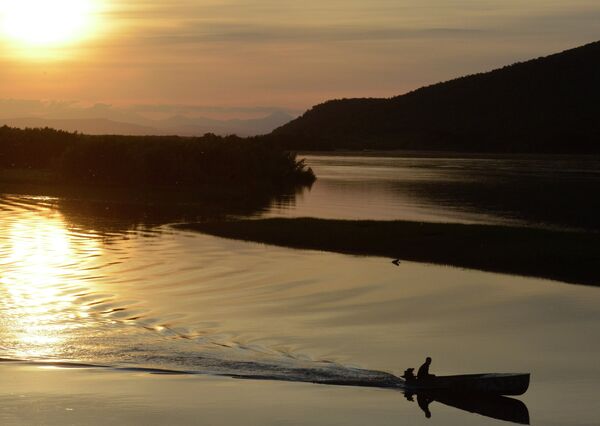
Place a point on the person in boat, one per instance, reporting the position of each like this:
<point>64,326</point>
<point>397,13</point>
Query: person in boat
<point>423,372</point>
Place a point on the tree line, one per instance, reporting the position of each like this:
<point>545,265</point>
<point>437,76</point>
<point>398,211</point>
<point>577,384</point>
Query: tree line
<point>152,160</point>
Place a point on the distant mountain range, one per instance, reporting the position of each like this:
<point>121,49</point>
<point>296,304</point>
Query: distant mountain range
<point>549,104</point>
<point>176,125</point>
<point>186,126</point>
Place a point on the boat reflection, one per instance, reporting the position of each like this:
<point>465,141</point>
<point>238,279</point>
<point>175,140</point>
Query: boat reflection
<point>496,407</point>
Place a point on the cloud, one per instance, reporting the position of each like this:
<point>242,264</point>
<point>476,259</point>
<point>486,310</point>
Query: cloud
<point>251,33</point>
<point>177,22</point>
<point>192,57</point>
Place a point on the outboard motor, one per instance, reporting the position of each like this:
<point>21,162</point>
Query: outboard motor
<point>409,375</point>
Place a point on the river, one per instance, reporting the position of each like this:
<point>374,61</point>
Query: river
<point>121,299</point>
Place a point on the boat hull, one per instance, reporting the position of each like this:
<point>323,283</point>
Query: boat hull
<point>492,384</point>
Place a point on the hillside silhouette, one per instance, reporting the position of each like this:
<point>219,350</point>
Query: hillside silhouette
<point>546,105</point>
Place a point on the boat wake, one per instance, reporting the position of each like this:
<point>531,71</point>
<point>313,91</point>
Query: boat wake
<point>309,372</point>
<point>326,373</point>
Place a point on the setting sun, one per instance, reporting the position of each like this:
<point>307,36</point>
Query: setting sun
<point>46,23</point>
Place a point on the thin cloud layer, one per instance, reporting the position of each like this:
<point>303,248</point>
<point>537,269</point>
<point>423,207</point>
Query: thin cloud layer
<point>289,54</point>
<point>140,114</point>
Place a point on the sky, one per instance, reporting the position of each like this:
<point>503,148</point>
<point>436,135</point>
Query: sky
<point>249,57</point>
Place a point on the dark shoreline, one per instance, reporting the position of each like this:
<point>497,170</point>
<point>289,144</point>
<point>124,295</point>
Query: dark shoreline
<point>405,153</point>
<point>571,257</point>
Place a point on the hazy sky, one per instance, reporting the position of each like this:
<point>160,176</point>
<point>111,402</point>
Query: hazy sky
<point>282,53</point>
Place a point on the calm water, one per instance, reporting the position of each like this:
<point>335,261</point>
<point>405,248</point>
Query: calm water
<point>549,192</point>
<point>87,286</point>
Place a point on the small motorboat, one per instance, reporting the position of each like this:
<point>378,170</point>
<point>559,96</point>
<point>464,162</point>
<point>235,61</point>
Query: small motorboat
<point>491,383</point>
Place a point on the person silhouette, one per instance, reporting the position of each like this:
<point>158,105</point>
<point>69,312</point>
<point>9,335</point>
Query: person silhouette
<point>423,372</point>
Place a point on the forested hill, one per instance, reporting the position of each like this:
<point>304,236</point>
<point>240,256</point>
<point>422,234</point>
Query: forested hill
<point>550,104</point>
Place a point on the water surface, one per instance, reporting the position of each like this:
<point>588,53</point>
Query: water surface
<point>76,287</point>
<point>556,191</point>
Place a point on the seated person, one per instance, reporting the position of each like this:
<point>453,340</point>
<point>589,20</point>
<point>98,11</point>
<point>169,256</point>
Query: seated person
<point>423,372</point>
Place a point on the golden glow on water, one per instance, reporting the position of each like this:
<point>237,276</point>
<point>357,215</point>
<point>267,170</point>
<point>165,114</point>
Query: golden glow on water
<point>39,282</point>
<point>183,301</point>
<point>41,28</point>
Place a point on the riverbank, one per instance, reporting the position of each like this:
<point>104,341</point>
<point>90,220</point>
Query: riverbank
<point>572,257</point>
<point>406,153</point>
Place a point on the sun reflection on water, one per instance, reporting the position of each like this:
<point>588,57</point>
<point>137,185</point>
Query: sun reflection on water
<point>42,267</point>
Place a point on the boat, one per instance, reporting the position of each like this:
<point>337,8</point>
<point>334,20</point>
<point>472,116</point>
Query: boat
<point>490,383</point>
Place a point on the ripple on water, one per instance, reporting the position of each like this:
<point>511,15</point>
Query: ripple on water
<point>57,307</point>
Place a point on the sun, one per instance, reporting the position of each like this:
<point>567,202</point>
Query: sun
<point>46,23</point>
